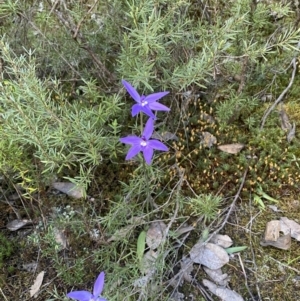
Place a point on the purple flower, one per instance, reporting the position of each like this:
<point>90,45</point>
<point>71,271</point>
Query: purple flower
<point>145,103</point>
<point>87,296</point>
<point>144,144</point>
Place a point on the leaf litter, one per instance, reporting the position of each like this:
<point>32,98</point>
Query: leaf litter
<point>278,233</point>
<point>34,289</point>
<point>17,224</point>
<point>69,189</point>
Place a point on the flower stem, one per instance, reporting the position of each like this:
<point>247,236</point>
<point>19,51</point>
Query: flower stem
<point>141,120</point>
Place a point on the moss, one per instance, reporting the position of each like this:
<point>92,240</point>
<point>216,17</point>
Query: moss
<point>6,249</point>
<point>271,269</point>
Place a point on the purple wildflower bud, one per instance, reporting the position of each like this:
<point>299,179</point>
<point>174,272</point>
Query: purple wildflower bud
<point>144,144</point>
<point>87,296</point>
<point>145,103</point>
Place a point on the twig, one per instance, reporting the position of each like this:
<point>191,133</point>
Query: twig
<point>84,18</point>
<point>203,292</point>
<point>3,294</point>
<point>252,251</point>
<point>53,6</point>
<point>179,185</point>
<point>281,96</point>
<point>231,207</point>
<point>285,265</point>
<point>245,275</point>
<point>243,74</point>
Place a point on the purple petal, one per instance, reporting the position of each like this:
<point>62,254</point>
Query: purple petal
<point>100,299</point>
<point>80,295</point>
<point>99,283</point>
<point>133,151</point>
<point>155,144</point>
<point>133,93</point>
<point>155,96</point>
<point>148,154</point>
<point>131,140</point>
<point>156,106</point>
<point>135,109</point>
<point>149,128</point>
<point>148,112</point>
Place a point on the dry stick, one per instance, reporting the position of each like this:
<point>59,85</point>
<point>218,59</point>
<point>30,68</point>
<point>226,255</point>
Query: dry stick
<point>245,275</point>
<point>230,208</point>
<point>251,248</point>
<point>285,265</point>
<point>53,6</point>
<point>3,294</point>
<point>281,96</point>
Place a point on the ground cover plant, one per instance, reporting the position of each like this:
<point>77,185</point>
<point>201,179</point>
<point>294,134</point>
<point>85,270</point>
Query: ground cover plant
<point>132,131</point>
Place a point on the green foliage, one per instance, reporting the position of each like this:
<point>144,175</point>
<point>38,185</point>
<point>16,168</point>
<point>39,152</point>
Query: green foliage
<point>236,108</point>
<point>62,115</point>
<point>6,249</point>
<point>60,133</point>
<point>141,244</point>
<point>206,205</point>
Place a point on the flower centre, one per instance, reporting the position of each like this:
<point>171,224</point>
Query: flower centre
<point>144,142</point>
<point>143,101</point>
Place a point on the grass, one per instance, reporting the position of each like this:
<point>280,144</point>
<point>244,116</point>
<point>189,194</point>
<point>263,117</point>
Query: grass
<point>63,110</point>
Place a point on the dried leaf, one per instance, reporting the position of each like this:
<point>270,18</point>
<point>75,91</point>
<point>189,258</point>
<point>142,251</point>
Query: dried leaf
<point>155,234</point>
<point>142,281</point>
<point>184,273</point>
<point>217,276</point>
<point>208,140</point>
<point>148,263</point>
<point>70,189</point>
<point>283,242</point>
<point>274,208</point>
<point>183,229</point>
<point>16,224</point>
<point>186,269</point>
<point>60,238</point>
<point>209,255</point>
<point>272,231</point>
<point>225,294</point>
<point>284,120</point>
<point>233,148</point>
<point>37,284</point>
<point>176,296</point>
<point>223,241</point>
<point>272,236</point>
<point>291,135</point>
<point>292,226</point>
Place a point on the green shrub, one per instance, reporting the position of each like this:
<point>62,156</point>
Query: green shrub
<point>61,134</point>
